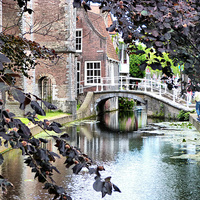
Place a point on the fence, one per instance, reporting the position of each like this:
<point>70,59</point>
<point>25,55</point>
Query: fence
<point>130,83</point>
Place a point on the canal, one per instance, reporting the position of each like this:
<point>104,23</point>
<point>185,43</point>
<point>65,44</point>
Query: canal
<point>147,160</point>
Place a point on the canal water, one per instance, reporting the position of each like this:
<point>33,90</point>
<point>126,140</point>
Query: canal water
<point>147,160</point>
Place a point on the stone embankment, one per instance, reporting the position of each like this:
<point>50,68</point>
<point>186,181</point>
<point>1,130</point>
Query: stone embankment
<point>193,120</point>
<point>62,119</point>
<point>83,112</point>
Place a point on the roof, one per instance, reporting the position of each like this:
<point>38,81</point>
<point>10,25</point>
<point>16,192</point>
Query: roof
<point>98,22</point>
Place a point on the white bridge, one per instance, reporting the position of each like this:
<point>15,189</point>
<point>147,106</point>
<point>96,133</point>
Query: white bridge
<point>124,83</point>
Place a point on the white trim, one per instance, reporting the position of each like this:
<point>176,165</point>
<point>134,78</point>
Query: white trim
<point>85,69</point>
<point>113,60</point>
<point>80,89</point>
<point>112,74</point>
<point>81,43</point>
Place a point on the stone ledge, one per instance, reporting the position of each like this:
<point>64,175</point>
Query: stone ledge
<point>62,120</point>
<point>194,122</point>
<point>35,129</point>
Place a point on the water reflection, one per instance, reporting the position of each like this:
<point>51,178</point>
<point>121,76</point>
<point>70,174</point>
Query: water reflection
<point>123,121</point>
<point>139,165</point>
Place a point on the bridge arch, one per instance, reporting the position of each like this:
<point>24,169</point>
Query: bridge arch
<point>154,103</point>
<point>101,100</point>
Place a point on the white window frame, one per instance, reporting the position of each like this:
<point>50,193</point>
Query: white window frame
<point>112,74</point>
<point>93,77</point>
<point>81,42</point>
<point>80,89</point>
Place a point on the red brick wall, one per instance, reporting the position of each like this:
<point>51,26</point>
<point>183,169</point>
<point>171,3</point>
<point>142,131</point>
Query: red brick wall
<point>58,72</point>
<point>10,19</point>
<point>52,19</point>
<point>92,42</point>
<point>49,19</point>
<point>53,22</point>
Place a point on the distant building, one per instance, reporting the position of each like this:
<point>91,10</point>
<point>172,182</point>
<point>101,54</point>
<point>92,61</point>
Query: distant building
<point>121,48</point>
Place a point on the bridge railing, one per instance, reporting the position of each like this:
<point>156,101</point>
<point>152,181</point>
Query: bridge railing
<point>130,83</point>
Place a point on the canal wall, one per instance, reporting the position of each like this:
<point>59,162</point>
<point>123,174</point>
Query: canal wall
<point>193,120</point>
<point>161,106</point>
<point>35,129</point>
<point>86,108</point>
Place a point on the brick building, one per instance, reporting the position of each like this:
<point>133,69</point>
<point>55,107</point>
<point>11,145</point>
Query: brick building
<point>53,25</point>
<point>79,38</point>
<point>97,57</point>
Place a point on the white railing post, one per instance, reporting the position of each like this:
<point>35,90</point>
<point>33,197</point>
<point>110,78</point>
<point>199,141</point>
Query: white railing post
<point>121,82</point>
<point>97,87</point>
<point>160,89</point>
<point>145,84</point>
<point>173,95</point>
<point>151,85</point>
<point>189,97</point>
<point>126,83</point>
<point>101,84</point>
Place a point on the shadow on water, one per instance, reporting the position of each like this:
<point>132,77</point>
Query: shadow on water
<point>136,153</point>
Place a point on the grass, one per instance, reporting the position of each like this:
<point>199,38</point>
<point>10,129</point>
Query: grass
<point>49,115</point>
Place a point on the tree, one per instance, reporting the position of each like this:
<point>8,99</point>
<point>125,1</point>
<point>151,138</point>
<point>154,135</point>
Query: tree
<point>137,59</point>
<point>135,62</point>
<point>22,54</point>
<point>170,26</point>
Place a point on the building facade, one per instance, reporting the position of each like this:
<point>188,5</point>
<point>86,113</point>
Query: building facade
<point>85,50</point>
<point>97,59</point>
<point>52,24</point>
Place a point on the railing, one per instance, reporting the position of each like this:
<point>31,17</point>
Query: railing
<point>130,83</point>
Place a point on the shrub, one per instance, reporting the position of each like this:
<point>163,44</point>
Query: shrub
<point>126,103</point>
<point>183,115</point>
